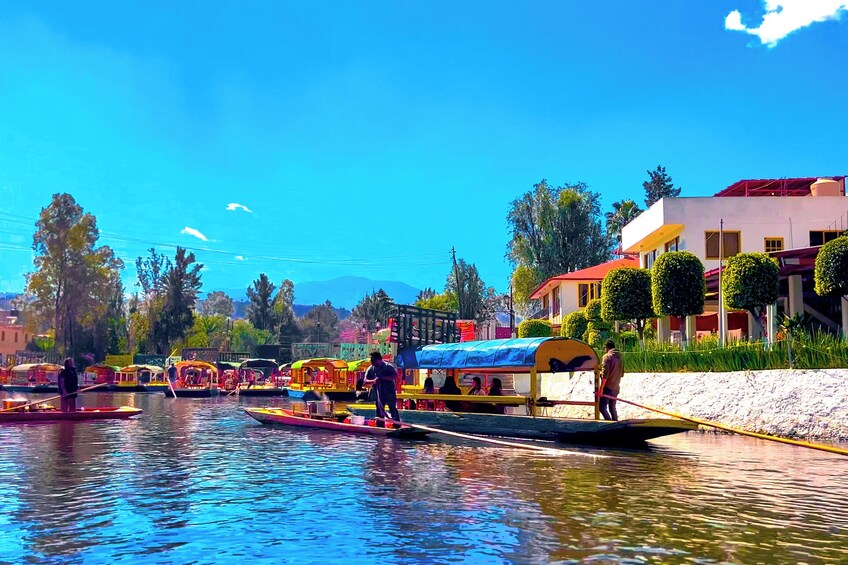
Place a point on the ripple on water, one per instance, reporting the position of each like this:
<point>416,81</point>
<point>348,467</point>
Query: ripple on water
<point>200,482</point>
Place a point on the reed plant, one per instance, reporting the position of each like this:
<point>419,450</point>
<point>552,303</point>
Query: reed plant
<point>810,351</point>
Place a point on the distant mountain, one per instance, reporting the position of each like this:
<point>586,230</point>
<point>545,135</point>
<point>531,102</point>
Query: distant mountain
<point>343,292</point>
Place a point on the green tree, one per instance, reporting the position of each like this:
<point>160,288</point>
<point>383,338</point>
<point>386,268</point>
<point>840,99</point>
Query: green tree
<point>260,309</point>
<point>659,186</point>
<point>574,325</point>
<point>217,303</point>
<point>425,294</point>
<point>750,282</point>
<point>245,337</point>
<point>70,288</point>
<point>678,286</point>
<point>475,300</point>
<point>207,331</point>
<point>445,302</point>
<point>374,309</point>
<point>321,324</point>
<point>627,297</point>
<point>623,212</point>
<point>181,287</point>
<point>151,272</point>
<point>534,328</point>
<point>831,271</point>
<point>524,281</point>
<point>557,230</point>
<point>287,329</point>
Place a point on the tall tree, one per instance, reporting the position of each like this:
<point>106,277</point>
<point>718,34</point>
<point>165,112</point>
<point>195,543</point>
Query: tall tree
<point>70,287</point>
<point>287,330</point>
<point>659,186</point>
<point>207,331</point>
<point>476,300</point>
<point>374,309</point>
<point>425,294</point>
<point>623,212</point>
<point>321,324</point>
<point>557,230</point>
<point>151,272</point>
<point>182,284</point>
<point>217,303</point>
<point>260,309</point>
<point>524,281</point>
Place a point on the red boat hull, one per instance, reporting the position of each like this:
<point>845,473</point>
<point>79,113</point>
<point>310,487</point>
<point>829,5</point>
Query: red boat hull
<point>289,418</point>
<point>103,413</point>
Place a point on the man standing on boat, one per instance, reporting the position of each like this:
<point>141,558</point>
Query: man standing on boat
<point>68,385</point>
<point>382,377</point>
<point>172,374</point>
<point>611,373</point>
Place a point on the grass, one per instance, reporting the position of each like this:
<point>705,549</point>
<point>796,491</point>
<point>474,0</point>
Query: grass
<point>810,351</point>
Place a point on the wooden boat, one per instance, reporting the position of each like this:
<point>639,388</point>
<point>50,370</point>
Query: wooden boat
<point>101,413</point>
<point>312,379</point>
<point>533,356</point>
<point>288,417</point>
<point>137,378</point>
<point>258,377</point>
<point>100,373</point>
<point>195,379</point>
<point>33,378</point>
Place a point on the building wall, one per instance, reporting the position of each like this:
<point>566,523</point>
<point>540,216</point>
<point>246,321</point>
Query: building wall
<point>12,338</point>
<point>791,218</point>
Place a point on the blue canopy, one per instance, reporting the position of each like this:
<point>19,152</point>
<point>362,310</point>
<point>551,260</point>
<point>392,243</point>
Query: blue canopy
<point>546,354</point>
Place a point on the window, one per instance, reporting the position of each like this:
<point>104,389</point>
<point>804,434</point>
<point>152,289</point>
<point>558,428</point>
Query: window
<point>731,244</point>
<point>822,237</point>
<point>557,310</point>
<point>673,245</point>
<point>650,258</point>
<point>587,292</point>
<point>773,244</point>
<point>546,302</point>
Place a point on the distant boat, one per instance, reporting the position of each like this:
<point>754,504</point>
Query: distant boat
<point>313,379</point>
<point>47,415</point>
<point>33,378</point>
<point>140,378</point>
<point>195,379</point>
<point>260,377</point>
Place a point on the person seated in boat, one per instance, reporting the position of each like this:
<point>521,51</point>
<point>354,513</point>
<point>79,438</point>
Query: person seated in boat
<point>307,376</point>
<point>429,388</point>
<point>477,387</point>
<point>495,390</point>
<point>450,388</point>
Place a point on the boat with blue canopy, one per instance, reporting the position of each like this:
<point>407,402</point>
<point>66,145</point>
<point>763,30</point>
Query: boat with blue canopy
<point>511,414</point>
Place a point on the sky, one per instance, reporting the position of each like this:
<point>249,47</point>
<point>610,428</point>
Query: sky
<point>309,140</point>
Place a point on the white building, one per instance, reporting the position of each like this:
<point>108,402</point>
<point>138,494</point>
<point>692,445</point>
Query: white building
<point>753,215</point>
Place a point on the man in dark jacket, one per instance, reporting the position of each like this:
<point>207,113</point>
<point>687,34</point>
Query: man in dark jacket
<point>611,372</point>
<point>382,376</point>
<point>68,386</point>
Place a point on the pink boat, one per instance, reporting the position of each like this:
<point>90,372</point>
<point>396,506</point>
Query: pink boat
<point>104,413</point>
<point>289,417</point>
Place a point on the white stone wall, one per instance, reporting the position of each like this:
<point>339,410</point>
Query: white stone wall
<point>791,403</point>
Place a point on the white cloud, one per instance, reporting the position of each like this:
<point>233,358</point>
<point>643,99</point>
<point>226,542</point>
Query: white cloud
<point>782,17</point>
<point>239,258</point>
<point>191,231</point>
<point>235,206</point>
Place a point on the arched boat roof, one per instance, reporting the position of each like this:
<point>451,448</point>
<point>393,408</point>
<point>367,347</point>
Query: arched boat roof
<point>324,362</point>
<point>520,355</point>
<point>360,365</point>
<point>136,368</point>
<point>259,363</point>
<point>199,364</point>
<point>28,366</point>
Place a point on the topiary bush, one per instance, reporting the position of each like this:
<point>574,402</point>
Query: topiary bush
<point>627,297</point>
<point>593,310</point>
<point>678,287</point>
<point>750,282</point>
<point>534,328</point>
<point>831,273</point>
<point>574,325</point>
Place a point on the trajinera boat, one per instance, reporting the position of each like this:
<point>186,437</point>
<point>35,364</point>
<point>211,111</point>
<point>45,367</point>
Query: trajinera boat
<point>329,421</point>
<point>33,378</point>
<point>140,378</point>
<point>195,379</point>
<point>260,377</point>
<point>551,357</point>
<point>314,378</point>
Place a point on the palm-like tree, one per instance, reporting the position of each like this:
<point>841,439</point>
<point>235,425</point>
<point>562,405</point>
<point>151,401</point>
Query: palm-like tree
<point>623,212</point>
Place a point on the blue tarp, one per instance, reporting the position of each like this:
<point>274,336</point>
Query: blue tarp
<point>491,354</point>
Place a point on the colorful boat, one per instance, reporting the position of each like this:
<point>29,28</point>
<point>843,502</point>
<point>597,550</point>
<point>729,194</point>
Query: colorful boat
<point>313,379</point>
<point>289,417</point>
<point>101,413</point>
<point>195,379</point>
<point>536,357</point>
<point>33,378</point>
<point>98,374</point>
<point>259,377</point>
<point>139,378</point>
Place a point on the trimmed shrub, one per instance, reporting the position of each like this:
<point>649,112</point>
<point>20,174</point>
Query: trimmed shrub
<point>574,325</point>
<point>750,283</point>
<point>627,297</point>
<point>534,328</point>
<point>831,274</point>
<point>593,310</point>
<point>678,286</point>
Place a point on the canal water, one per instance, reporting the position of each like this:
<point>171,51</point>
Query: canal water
<point>197,481</point>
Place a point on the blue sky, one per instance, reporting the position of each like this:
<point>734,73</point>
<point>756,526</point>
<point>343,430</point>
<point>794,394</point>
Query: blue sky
<point>368,138</point>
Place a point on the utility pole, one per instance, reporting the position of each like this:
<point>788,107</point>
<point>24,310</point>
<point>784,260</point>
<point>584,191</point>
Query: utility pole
<point>458,282</point>
<point>722,320</point>
<point>511,312</point>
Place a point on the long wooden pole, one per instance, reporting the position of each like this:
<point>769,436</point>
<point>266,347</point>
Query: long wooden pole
<point>809,445</point>
<point>48,399</point>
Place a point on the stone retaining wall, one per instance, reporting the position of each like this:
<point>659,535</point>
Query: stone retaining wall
<point>790,403</point>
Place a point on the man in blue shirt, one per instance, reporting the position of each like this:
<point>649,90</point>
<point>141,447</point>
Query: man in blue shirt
<point>382,377</point>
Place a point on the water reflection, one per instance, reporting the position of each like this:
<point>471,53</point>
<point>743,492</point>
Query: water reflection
<point>199,481</point>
